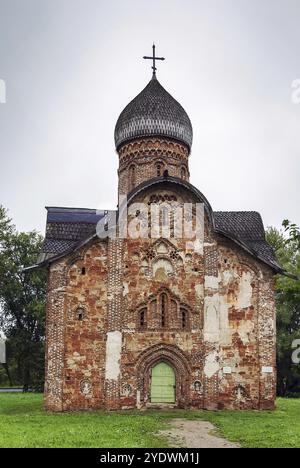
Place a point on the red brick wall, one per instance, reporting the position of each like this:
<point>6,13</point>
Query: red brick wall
<point>145,155</point>
<point>105,359</point>
<point>76,331</point>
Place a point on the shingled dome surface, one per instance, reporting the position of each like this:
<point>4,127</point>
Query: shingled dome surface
<point>154,112</point>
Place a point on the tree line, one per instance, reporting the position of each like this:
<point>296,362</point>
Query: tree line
<point>23,294</point>
<point>22,306</point>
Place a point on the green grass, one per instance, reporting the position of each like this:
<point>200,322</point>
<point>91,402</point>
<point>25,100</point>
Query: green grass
<point>24,423</point>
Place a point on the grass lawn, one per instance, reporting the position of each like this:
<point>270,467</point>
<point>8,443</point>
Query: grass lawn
<point>23,423</point>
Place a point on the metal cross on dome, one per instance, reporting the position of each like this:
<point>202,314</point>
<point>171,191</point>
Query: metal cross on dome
<point>154,58</point>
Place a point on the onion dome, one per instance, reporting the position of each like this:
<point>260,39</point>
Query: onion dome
<point>154,112</point>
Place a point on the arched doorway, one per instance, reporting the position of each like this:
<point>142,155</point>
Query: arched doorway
<point>163,384</point>
<point>175,358</point>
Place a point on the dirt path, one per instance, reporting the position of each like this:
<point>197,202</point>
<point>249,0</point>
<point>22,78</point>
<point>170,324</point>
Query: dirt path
<point>194,434</point>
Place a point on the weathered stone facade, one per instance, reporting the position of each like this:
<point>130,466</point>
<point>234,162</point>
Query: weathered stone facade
<point>117,307</point>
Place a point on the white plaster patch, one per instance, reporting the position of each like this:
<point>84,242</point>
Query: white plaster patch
<point>225,330</point>
<point>164,265</point>
<point>211,319</point>
<point>211,282</point>
<point>227,277</point>
<point>199,289</point>
<point>245,291</point>
<point>195,246</point>
<point>113,355</point>
<point>211,364</point>
<point>125,289</point>
<point>198,246</point>
<point>244,330</point>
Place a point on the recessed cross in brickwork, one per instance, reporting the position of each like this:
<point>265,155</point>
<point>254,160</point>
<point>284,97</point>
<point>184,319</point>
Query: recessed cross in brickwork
<point>154,58</point>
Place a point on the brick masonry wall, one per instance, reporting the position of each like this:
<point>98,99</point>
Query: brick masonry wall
<point>100,355</point>
<point>76,331</point>
<point>139,161</point>
<point>247,331</point>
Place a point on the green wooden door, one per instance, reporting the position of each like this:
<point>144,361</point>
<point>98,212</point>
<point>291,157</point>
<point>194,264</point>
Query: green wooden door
<point>162,384</point>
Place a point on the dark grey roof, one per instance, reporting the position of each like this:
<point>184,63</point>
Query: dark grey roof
<point>245,225</point>
<point>67,228</point>
<point>248,227</point>
<point>154,112</point>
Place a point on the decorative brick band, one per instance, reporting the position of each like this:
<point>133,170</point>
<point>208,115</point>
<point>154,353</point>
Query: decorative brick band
<point>114,324</point>
<point>153,147</point>
<point>267,343</point>
<point>115,285</point>
<point>55,338</point>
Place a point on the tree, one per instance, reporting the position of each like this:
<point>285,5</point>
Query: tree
<point>288,306</point>
<point>293,232</point>
<point>22,300</point>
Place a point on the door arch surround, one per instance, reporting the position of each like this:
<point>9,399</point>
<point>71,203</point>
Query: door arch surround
<point>177,360</point>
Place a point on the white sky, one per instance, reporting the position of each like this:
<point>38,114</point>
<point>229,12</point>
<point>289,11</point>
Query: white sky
<point>71,66</point>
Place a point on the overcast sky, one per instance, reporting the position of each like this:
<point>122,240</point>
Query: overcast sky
<point>71,66</point>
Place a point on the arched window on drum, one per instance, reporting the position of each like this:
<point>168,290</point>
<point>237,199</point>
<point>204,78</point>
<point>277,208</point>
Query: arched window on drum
<point>132,177</point>
<point>183,173</point>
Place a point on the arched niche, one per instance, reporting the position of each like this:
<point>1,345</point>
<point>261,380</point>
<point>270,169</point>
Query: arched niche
<point>162,269</point>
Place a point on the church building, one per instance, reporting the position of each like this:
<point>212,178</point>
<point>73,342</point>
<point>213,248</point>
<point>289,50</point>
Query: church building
<point>165,319</point>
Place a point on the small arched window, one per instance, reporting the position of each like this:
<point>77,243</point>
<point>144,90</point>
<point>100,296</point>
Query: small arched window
<point>183,173</point>
<point>184,318</point>
<point>80,314</point>
<point>143,319</point>
<point>163,312</point>
<point>132,177</point>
